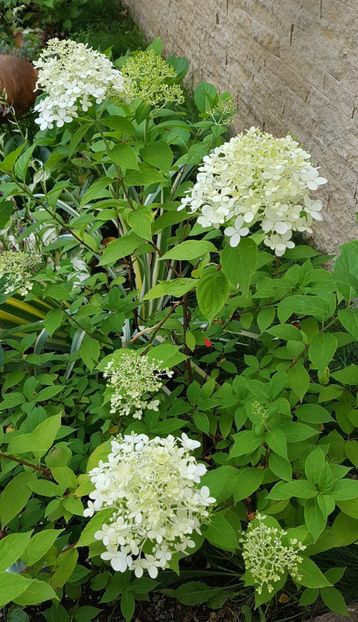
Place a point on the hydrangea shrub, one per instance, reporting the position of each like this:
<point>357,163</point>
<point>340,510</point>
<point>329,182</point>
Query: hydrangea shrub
<point>178,406</point>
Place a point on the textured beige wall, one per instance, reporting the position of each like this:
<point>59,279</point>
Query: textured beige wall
<point>293,67</point>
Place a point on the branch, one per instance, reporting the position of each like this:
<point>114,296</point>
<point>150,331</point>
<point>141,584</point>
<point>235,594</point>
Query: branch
<point>46,472</point>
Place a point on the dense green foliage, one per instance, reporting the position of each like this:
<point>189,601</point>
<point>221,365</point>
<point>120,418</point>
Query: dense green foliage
<point>258,346</point>
<point>103,24</point>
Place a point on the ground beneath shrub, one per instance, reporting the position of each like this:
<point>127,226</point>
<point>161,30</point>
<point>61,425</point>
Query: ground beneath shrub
<point>162,609</point>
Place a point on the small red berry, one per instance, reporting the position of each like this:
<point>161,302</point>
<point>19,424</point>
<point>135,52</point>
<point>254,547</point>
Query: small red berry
<point>208,343</point>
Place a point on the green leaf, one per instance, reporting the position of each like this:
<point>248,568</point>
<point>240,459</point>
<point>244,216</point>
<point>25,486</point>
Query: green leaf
<point>349,319</point>
<point>6,210</point>
<point>7,164</point>
<point>44,488</point>
<point>280,467</point>
<point>11,586</point>
<point>277,441</point>
<point>87,535</point>
<point>322,350</point>
<point>12,548</point>
<point>300,488</point>
<point>308,597</point>
<point>99,453</point>
<point>119,124</point>
<point>247,481</point>
<point>168,426</point>
<point>22,163</point>
<point>189,250</point>
<point>39,545</point>
<point>124,156</point>
<point>245,442</point>
<point>286,332</point>
<point>37,592</point>
<point>265,317</point>
<point>221,482</point>
<point>326,504</point>
<point>17,614</point>
<point>176,288</point>
<point>321,307</point>
<point>86,613</point>
<point>315,463</point>
<point>58,292</point>
<point>66,563</point>
<point>220,533</point>
<point>351,449</point>
<point>346,269</point>
<point>201,421</point>
<point>167,355</point>
<point>348,375</point>
<point>296,432</point>
<point>140,220</point>
<point>212,293</point>
<point>145,176</point>
<point>53,320</point>
<point>127,605</point>
<point>350,508</point>
<point>311,575</point>
<point>40,440</point>
<point>15,496</point>
<point>334,600</point>
<point>158,154</point>
<point>120,248</point>
<point>192,593</point>
<point>48,392</point>
<point>97,190</point>
<point>11,400</point>
<point>239,264</point>
<point>314,519</point>
<point>298,380</point>
<point>313,413</point>
<point>90,351</point>
<point>345,489</point>
<point>205,96</point>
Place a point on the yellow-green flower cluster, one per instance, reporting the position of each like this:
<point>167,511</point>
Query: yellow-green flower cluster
<point>268,554</point>
<point>149,77</point>
<point>16,268</point>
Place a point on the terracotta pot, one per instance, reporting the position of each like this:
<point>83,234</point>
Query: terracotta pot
<point>17,86</point>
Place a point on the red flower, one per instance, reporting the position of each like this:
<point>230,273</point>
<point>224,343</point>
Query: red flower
<point>208,343</point>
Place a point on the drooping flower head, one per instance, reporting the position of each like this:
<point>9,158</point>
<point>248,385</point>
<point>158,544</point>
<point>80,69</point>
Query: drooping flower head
<point>153,488</point>
<point>131,380</point>
<point>257,178</point>
<point>268,554</point>
<point>74,77</point>
<point>148,76</point>
<point>16,269</point>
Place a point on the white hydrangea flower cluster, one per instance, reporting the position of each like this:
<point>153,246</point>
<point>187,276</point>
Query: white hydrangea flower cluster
<point>16,268</point>
<point>153,488</point>
<point>132,379</point>
<point>268,554</point>
<point>74,77</point>
<point>257,178</point>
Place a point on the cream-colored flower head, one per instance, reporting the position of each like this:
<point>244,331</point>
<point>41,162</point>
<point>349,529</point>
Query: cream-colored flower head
<point>153,487</point>
<point>149,77</point>
<point>132,379</point>
<point>16,269</point>
<point>253,179</point>
<point>268,554</point>
<point>74,77</point>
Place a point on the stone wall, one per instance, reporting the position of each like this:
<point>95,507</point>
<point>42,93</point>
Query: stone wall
<point>292,66</point>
